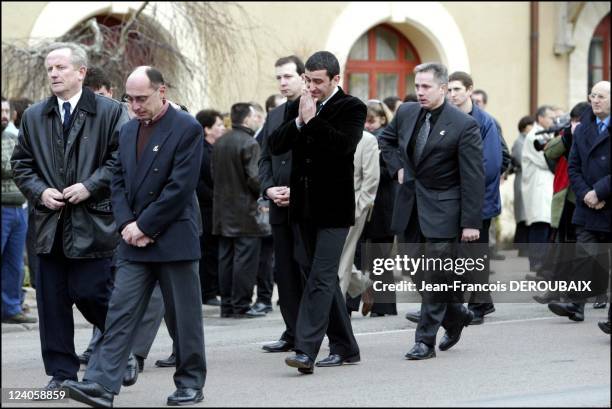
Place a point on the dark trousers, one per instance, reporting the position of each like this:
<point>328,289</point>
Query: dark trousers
<point>180,287</point>
<point>209,264</point>
<point>449,315</point>
<point>538,244</point>
<point>322,308</point>
<point>592,263</point>
<point>521,239</point>
<point>480,301</point>
<point>238,261</point>
<point>63,282</point>
<point>289,279</point>
<point>265,273</point>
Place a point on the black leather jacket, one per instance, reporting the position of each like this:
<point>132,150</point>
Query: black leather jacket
<point>40,161</point>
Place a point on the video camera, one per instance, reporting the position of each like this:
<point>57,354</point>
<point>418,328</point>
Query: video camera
<point>559,124</point>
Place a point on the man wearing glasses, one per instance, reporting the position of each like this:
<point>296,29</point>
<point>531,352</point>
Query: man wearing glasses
<point>156,211</point>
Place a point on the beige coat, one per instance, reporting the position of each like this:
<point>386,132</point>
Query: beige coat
<point>536,182</point>
<point>366,174</point>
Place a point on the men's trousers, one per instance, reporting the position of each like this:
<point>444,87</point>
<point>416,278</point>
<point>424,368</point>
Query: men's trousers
<point>134,283</point>
<point>209,264</point>
<point>265,272</point>
<point>238,261</point>
<point>323,307</point>
<point>449,315</point>
<point>63,282</point>
<point>14,228</point>
<point>289,279</point>
<point>481,300</point>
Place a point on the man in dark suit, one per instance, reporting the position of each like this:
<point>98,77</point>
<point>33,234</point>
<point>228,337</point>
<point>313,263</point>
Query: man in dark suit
<point>322,134</point>
<point>589,173</point>
<point>436,152</point>
<point>156,210</point>
<point>274,174</point>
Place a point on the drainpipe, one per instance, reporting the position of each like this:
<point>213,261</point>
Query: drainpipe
<point>533,62</point>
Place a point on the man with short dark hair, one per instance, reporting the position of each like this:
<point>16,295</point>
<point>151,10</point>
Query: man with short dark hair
<point>274,174</point>
<point>235,210</point>
<point>155,208</point>
<point>322,133</point>
<point>97,80</point>
<point>460,86</point>
<point>63,164</point>
<point>436,152</point>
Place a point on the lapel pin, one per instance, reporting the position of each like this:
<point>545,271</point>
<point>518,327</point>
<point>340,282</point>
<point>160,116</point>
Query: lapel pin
<point>155,148</point>
<point>442,132</point>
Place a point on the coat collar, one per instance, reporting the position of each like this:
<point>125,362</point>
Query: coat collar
<point>86,103</point>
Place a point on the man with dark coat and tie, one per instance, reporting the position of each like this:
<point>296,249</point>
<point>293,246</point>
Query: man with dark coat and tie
<point>274,174</point>
<point>156,211</point>
<point>322,133</point>
<point>589,173</point>
<point>63,163</point>
<point>436,152</point>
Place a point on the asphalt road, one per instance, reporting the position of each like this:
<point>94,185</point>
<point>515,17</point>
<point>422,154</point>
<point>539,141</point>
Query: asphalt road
<point>522,355</point>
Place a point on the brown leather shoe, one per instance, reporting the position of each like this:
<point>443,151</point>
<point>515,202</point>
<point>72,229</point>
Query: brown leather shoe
<point>368,301</point>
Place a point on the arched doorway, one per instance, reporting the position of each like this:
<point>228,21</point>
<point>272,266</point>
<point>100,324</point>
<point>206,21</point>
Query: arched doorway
<point>599,53</point>
<point>380,64</point>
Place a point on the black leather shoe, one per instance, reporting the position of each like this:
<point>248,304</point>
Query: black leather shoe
<point>54,385</point>
<point>451,338</point>
<point>252,313</point>
<point>278,346</point>
<point>89,393</point>
<point>413,316</point>
<point>421,351</point>
<point>261,307</point>
<point>185,396</point>
<point>573,311</point>
<point>84,357</point>
<point>337,360</point>
<point>599,305</point>
<point>140,361</point>
<point>167,363</point>
<point>604,326</point>
<point>131,372</point>
<point>547,297</point>
<point>226,315</point>
<point>302,362</point>
<point>477,320</point>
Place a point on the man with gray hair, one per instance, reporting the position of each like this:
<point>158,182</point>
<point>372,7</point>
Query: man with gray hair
<point>435,151</point>
<point>62,163</point>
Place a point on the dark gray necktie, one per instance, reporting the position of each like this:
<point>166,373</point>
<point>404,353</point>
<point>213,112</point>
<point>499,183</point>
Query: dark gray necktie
<point>422,138</point>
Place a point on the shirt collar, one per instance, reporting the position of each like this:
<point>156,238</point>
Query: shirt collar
<point>159,115</point>
<point>605,121</point>
<point>330,97</point>
<point>73,101</point>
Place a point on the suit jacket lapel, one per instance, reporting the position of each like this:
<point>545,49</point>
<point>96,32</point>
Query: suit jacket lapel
<point>599,137</point>
<point>155,147</point>
<point>128,155</point>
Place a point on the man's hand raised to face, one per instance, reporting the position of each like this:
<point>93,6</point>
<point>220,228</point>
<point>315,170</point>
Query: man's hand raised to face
<point>308,107</point>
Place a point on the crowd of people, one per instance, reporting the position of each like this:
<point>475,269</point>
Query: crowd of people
<point>139,211</point>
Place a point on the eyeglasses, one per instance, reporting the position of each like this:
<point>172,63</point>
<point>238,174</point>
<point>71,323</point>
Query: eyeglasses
<point>141,99</point>
<point>597,96</point>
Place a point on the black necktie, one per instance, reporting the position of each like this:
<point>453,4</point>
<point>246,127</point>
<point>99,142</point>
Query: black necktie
<point>422,138</point>
<point>66,124</point>
<point>319,107</point>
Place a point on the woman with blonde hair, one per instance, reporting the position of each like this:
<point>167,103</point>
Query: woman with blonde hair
<point>378,117</point>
